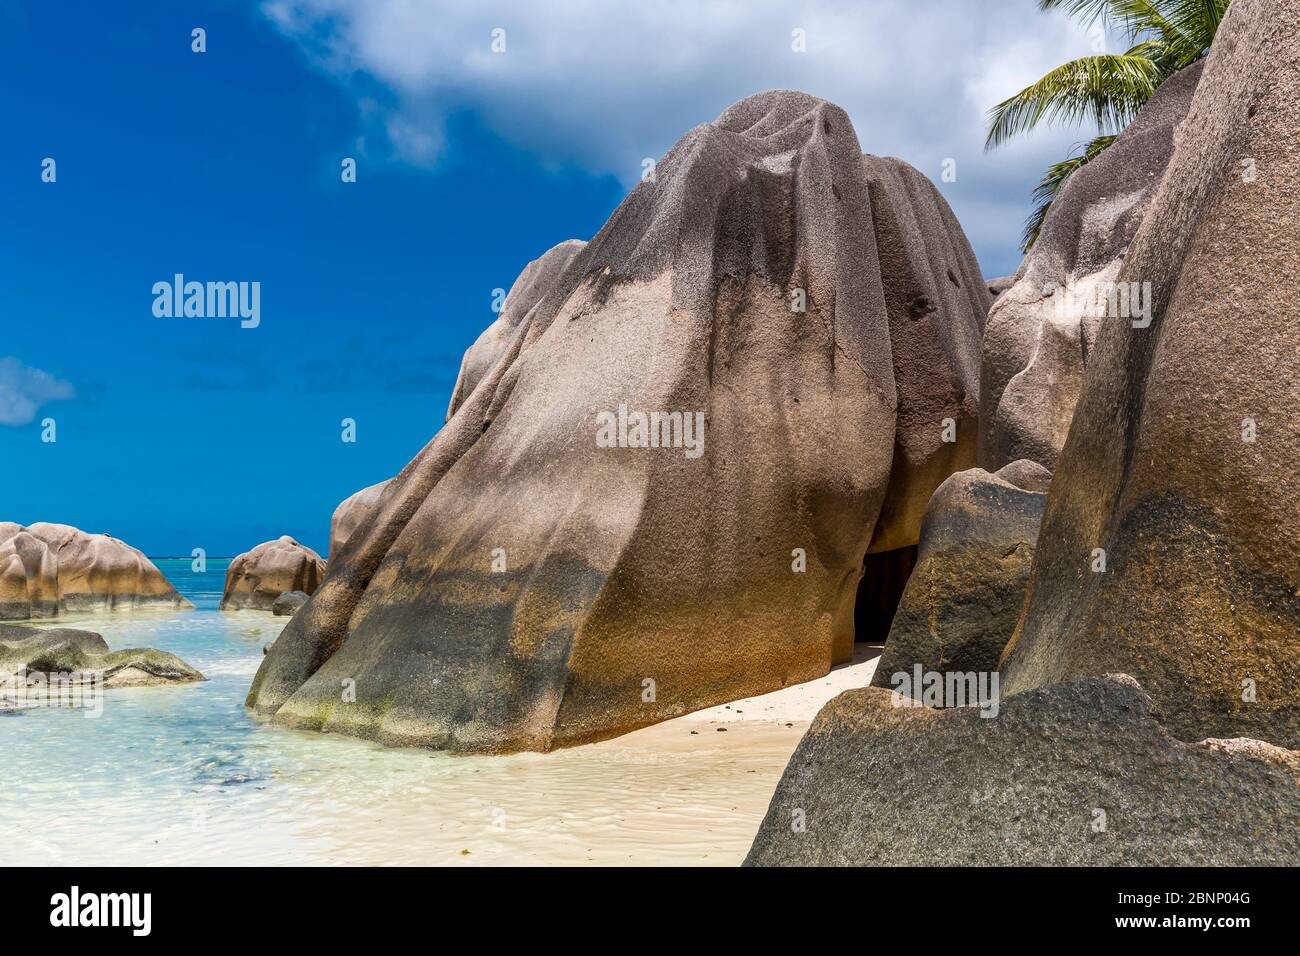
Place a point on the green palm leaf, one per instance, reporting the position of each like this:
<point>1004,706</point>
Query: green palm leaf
<point>1107,89</point>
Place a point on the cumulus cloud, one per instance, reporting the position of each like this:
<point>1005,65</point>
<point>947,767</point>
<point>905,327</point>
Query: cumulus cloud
<point>24,390</point>
<point>602,84</point>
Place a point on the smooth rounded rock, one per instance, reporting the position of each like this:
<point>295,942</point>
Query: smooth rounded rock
<point>963,600</point>
<point>544,574</point>
<point>257,578</point>
<point>51,569</point>
<point>287,604</point>
<point>351,513</point>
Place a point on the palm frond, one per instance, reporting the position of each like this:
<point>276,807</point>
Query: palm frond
<point>1089,11</point>
<point>1185,25</point>
<point>1164,35</point>
<point>1053,181</point>
<point>1197,20</point>
<point>1147,22</point>
<point>1107,89</point>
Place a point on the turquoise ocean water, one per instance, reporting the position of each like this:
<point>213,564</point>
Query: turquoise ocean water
<point>184,775</point>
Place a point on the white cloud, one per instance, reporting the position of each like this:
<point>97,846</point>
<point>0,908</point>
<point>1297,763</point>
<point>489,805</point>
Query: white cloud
<point>604,83</point>
<point>24,390</point>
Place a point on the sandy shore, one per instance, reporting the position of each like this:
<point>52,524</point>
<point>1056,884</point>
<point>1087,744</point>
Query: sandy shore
<point>208,784</point>
<point>778,713</point>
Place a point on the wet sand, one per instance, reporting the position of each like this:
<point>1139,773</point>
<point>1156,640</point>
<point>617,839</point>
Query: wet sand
<point>689,791</point>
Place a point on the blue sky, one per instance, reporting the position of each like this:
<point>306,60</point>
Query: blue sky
<point>183,433</point>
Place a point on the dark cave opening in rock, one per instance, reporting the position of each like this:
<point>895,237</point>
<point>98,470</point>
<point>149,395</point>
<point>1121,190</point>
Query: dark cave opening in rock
<point>884,575</point>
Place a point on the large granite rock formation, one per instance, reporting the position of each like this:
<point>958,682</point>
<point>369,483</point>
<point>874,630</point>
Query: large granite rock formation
<point>936,300</point>
<point>28,652</point>
<point>1182,460</point>
<point>963,600</point>
<point>256,578</point>
<point>1079,773</point>
<point>1179,474</point>
<point>534,284</point>
<point>351,512</point>
<point>1040,330</point>
<point>48,569</point>
<point>538,577</point>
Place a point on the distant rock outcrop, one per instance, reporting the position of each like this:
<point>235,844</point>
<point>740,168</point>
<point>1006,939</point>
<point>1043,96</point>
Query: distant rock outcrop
<point>658,495</point>
<point>1040,330</point>
<point>1080,773</point>
<point>962,602</point>
<point>81,655</point>
<point>1000,284</point>
<point>351,512</point>
<point>48,569</point>
<point>258,577</point>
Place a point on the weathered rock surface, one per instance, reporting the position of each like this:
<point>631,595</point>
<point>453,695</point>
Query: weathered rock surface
<point>878,784</point>
<point>351,512</point>
<point>1000,284</point>
<point>519,586</point>
<point>936,300</point>
<point>80,653</point>
<point>256,578</point>
<point>1040,330</point>
<point>536,281</point>
<point>963,600</point>
<point>287,604</point>
<point>1198,514</point>
<point>47,569</point>
<point>1179,472</point>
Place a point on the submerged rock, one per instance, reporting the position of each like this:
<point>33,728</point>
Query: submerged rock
<point>1170,546</point>
<point>962,602</point>
<point>48,569</point>
<point>1041,329</point>
<point>258,577</point>
<point>82,654</point>
<point>779,314</point>
<point>1080,773</point>
<point>287,604</point>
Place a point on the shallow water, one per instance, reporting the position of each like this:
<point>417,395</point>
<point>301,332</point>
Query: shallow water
<point>183,775</point>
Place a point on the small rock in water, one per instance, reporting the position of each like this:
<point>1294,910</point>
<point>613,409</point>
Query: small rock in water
<point>287,604</point>
<point>258,578</point>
